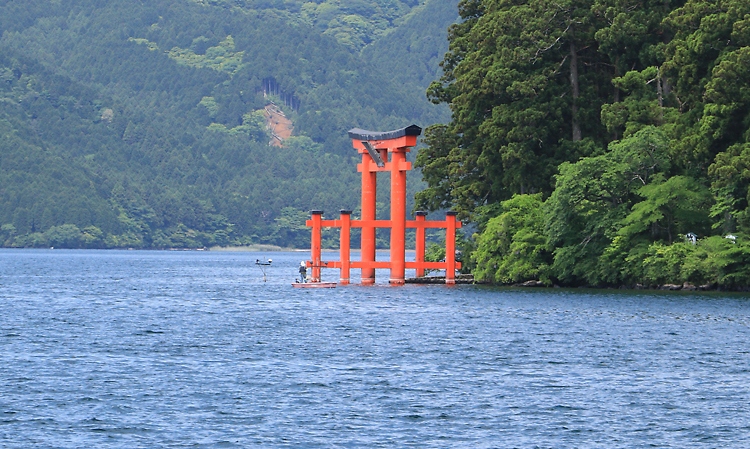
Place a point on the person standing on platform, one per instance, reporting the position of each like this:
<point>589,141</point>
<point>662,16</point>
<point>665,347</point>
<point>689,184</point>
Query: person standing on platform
<point>302,271</point>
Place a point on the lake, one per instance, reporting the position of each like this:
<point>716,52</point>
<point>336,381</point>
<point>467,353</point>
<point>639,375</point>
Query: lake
<point>156,349</point>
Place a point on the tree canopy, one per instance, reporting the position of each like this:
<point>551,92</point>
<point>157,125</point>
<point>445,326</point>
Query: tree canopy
<point>630,119</point>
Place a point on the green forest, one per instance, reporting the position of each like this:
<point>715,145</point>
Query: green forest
<point>141,124</point>
<point>597,143</point>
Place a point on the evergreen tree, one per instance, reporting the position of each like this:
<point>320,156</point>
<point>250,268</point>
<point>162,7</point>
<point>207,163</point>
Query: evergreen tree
<point>522,80</point>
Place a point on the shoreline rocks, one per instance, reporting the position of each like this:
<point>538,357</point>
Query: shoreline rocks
<point>684,287</point>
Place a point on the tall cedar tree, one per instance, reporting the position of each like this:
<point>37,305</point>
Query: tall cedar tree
<point>525,82</point>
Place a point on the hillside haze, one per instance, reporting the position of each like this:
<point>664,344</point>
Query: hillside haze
<point>145,124</point>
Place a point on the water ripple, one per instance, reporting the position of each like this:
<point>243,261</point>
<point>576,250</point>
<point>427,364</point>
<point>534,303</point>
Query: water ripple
<point>164,349</point>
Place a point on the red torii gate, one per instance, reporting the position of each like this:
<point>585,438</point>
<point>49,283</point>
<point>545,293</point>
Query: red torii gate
<point>383,152</point>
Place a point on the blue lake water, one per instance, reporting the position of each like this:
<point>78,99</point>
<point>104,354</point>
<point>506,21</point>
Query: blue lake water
<point>137,349</point>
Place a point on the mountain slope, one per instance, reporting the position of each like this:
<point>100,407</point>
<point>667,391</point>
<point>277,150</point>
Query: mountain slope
<point>413,51</point>
<point>136,125</point>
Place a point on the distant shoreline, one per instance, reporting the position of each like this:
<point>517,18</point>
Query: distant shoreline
<point>254,248</point>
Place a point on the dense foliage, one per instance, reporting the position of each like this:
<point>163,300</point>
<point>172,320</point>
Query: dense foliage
<point>598,142</point>
<point>353,23</point>
<point>140,124</point>
<point>412,52</point>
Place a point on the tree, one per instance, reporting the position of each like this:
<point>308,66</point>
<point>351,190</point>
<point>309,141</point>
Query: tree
<point>731,185</point>
<point>671,208</point>
<point>707,62</point>
<point>521,80</point>
<point>513,247</point>
<point>290,229</point>
<point>592,198</point>
<point>633,37</point>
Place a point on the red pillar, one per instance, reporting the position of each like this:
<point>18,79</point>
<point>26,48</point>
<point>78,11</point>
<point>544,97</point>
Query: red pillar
<point>315,244</point>
<point>344,250</point>
<point>420,247</point>
<point>450,247</point>
<point>369,187</point>
<point>398,216</point>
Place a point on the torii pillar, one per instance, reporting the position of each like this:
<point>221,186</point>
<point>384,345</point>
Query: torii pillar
<point>384,151</point>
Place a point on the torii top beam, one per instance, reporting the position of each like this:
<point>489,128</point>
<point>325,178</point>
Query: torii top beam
<point>398,138</point>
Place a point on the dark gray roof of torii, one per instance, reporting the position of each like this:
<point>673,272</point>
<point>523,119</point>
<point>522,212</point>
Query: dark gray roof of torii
<point>363,134</point>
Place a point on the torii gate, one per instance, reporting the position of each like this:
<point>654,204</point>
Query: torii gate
<point>383,152</point>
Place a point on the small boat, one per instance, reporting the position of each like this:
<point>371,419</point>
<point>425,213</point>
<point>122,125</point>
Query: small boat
<point>314,284</point>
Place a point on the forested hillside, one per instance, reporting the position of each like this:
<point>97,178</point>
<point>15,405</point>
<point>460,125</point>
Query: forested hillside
<point>353,23</point>
<point>598,143</point>
<point>141,124</point>
<point>412,52</point>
